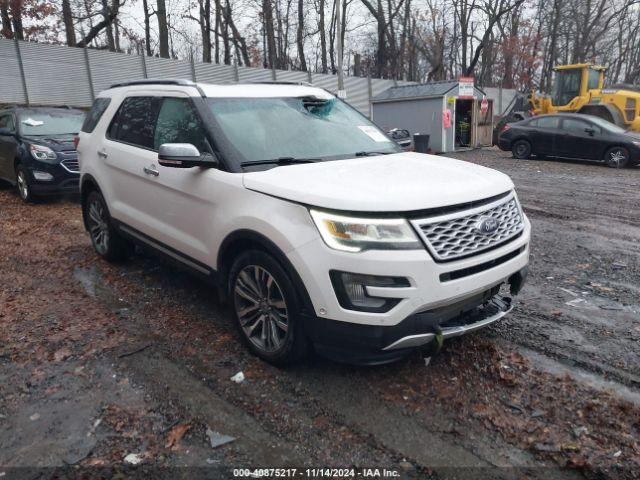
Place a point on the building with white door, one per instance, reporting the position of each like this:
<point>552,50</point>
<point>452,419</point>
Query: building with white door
<point>453,121</point>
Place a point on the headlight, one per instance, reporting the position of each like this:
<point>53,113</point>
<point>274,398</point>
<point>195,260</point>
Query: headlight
<point>637,144</point>
<point>42,153</point>
<point>357,234</point>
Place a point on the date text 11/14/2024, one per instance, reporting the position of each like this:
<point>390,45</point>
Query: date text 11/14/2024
<point>316,473</point>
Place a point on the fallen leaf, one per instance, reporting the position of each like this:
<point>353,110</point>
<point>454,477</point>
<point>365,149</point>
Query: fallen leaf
<point>62,354</point>
<point>176,434</point>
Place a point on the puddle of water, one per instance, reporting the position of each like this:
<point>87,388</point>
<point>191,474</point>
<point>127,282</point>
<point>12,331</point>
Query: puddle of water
<point>592,380</point>
<point>91,282</point>
<point>88,278</point>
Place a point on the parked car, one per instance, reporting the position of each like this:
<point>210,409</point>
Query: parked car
<point>37,153</point>
<point>403,138</point>
<point>314,224</point>
<point>571,136</point>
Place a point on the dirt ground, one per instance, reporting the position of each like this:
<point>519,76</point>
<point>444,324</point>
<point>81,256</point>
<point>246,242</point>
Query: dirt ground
<point>100,361</point>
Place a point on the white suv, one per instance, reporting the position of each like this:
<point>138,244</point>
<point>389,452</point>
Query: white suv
<point>315,225</point>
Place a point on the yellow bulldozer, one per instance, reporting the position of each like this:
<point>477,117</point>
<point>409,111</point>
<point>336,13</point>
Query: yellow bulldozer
<point>579,88</point>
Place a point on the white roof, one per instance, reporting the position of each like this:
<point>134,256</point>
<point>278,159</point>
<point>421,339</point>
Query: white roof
<point>238,90</point>
<point>258,90</point>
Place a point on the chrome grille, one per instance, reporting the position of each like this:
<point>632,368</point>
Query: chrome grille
<point>457,235</point>
<point>71,164</point>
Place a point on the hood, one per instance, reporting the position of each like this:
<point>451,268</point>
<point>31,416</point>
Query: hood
<point>387,183</point>
<point>633,136</point>
<point>57,143</point>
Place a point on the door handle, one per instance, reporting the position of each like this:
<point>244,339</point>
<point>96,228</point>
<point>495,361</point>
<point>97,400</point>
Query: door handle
<point>151,170</point>
<point>102,154</point>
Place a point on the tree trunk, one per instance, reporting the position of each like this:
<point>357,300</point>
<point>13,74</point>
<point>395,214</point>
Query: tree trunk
<point>16,19</point>
<point>323,37</point>
<point>225,33</point>
<point>7,30</point>
<point>205,29</point>
<point>163,30</point>
<point>381,56</point>
<point>300,36</point>
<point>217,30</point>
<point>238,40</point>
<point>267,13</point>
<point>67,18</point>
<point>116,35</point>
<point>105,14</point>
<point>147,27</point>
<point>96,29</point>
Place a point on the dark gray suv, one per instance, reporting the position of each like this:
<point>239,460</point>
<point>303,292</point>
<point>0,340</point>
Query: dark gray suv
<point>37,153</point>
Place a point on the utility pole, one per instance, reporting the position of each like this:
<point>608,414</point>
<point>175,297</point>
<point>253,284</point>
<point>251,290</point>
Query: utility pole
<point>341,91</point>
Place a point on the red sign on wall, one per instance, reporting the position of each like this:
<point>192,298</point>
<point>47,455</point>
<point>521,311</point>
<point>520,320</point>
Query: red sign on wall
<point>446,118</point>
<point>484,105</point>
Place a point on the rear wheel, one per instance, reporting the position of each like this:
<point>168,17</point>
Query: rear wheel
<point>617,157</point>
<point>24,184</point>
<point>106,240</point>
<point>266,308</point>
<point>521,149</point>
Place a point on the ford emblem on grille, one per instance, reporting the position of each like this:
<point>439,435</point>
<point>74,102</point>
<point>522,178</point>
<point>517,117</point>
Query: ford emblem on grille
<point>487,225</point>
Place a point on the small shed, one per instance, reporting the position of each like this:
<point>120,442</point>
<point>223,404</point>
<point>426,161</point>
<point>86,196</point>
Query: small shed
<point>437,109</point>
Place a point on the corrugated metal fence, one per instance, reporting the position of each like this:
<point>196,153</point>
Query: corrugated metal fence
<point>41,74</point>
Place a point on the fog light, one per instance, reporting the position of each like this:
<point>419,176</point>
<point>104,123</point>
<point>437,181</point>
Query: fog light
<point>42,176</point>
<point>351,290</point>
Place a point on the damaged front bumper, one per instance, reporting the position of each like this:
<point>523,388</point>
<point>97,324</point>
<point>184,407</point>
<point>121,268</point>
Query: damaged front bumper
<point>482,316</point>
<point>374,344</point>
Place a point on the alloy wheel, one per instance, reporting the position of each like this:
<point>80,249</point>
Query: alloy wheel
<point>98,226</point>
<point>521,149</point>
<point>261,308</point>
<point>23,185</point>
<point>617,158</point>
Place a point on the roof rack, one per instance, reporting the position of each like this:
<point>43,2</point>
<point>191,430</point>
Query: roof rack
<point>275,82</point>
<point>156,81</point>
<point>34,106</point>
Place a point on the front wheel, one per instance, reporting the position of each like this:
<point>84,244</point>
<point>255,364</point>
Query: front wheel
<point>106,240</point>
<point>266,308</point>
<point>617,157</point>
<point>24,184</point>
<point>521,149</point>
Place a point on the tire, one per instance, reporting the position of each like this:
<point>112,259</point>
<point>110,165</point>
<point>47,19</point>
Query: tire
<point>521,149</point>
<point>106,240</point>
<point>23,184</point>
<point>266,308</point>
<point>617,157</point>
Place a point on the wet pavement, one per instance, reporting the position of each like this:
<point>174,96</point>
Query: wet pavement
<point>99,361</point>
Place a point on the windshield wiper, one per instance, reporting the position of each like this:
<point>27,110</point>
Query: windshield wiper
<point>371,154</point>
<point>281,161</point>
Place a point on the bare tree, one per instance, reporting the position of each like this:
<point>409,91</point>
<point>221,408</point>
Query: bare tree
<point>147,27</point>
<point>300,36</point>
<point>67,18</point>
<point>163,30</point>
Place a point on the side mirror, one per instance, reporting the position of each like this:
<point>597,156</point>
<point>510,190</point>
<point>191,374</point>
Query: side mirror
<point>6,132</point>
<point>590,131</point>
<point>184,155</point>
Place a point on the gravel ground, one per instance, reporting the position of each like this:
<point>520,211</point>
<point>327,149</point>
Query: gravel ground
<point>100,361</point>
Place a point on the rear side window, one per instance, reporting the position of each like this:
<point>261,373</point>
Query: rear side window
<point>573,125</point>
<point>94,115</point>
<point>178,122</point>
<point>548,122</point>
<point>135,121</point>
